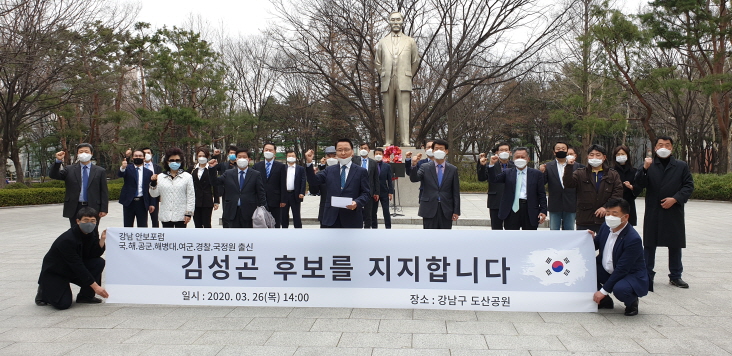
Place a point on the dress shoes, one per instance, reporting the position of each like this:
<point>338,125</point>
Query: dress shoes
<point>88,300</point>
<point>606,303</point>
<point>678,283</point>
<point>632,308</point>
<point>39,298</point>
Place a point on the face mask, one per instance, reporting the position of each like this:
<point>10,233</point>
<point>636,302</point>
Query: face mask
<point>504,155</point>
<point>613,221</point>
<point>561,154</point>
<point>621,159</point>
<point>343,161</point>
<point>87,227</point>
<point>331,161</point>
<point>268,155</point>
<point>174,166</point>
<point>137,161</point>
<point>440,154</point>
<point>202,160</point>
<point>663,152</point>
<point>595,162</point>
<point>84,157</point>
<point>148,157</point>
<point>571,157</point>
<point>291,159</point>
<point>520,163</point>
<point>232,157</point>
<point>242,163</point>
<point>378,158</point>
<point>363,153</point>
<point>430,153</point>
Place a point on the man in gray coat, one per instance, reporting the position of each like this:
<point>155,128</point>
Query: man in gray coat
<point>669,185</point>
<point>439,205</point>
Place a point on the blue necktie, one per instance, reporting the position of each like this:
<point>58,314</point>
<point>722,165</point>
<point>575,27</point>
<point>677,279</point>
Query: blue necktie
<point>364,163</point>
<point>269,168</point>
<point>519,182</point>
<point>439,174</point>
<point>84,182</point>
<point>241,180</point>
<point>343,176</point>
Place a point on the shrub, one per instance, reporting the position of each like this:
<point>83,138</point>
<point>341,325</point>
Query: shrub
<point>53,183</point>
<point>16,185</point>
<point>712,187</point>
<point>13,197</point>
<point>473,187</point>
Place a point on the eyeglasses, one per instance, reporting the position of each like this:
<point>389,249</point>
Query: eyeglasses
<point>175,160</point>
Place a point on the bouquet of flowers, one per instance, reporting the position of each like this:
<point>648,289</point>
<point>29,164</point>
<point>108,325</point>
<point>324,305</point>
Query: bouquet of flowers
<point>393,154</point>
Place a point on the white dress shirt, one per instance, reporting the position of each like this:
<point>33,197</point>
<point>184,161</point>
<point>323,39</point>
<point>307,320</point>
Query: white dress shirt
<point>291,177</point>
<point>560,169</point>
<point>607,253</point>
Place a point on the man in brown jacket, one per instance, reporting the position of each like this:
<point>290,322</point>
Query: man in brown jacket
<point>595,185</point>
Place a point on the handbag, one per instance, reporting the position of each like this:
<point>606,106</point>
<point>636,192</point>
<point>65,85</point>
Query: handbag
<point>262,218</point>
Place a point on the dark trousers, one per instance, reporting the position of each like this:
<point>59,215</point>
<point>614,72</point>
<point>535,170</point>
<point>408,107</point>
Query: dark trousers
<point>174,224</point>
<point>594,228</point>
<point>622,290</point>
<point>72,219</point>
<point>675,266</point>
<point>520,219</point>
<point>437,222</point>
<point>294,204</point>
<point>239,221</point>
<point>154,215</point>
<point>496,222</point>
<point>135,210</point>
<point>57,292</point>
<point>276,214</point>
<point>202,217</point>
<point>384,202</point>
<point>367,213</point>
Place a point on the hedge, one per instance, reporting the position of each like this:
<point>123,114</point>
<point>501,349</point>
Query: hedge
<point>36,196</point>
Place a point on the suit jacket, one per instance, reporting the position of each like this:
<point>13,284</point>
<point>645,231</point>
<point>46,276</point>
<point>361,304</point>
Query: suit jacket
<point>535,193</point>
<point>590,199</point>
<point>251,195</point>
<point>374,186</point>
<point>357,188</point>
<point>406,57</point>
<point>206,194</point>
<point>276,184</point>
<point>129,188</point>
<point>561,199</point>
<point>628,259</point>
<point>386,183</point>
<point>448,194</point>
<point>97,193</point>
<point>67,255</point>
<point>495,190</point>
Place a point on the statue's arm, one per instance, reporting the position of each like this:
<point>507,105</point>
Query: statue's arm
<point>377,60</point>
<point>415,57</point>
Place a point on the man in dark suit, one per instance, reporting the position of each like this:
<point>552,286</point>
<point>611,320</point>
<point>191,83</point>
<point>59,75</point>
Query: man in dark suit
<point>228,162</point>
<point>669,186</point>
<point>439,205</point>
<point>275,181</point>
<point>322,190</point>
<point>86,184</point>
<point>344,180</point>
<point>243,191</point>
<point>386,190</point>
<point>370,165</point>
<point>562,201</point>
<point>75,257</point>
<point>524,200</point>
<point>155,169</point>
<point>495,190</point>
<point>135,195</point>
<point>621,269</point>
<point>295,191</point>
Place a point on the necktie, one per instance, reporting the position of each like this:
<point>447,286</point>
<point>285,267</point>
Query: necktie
<point>343,176</point>
<point>241,180</point>
<point>439,174</point>
<point>364,163</point>
<point>84,182</point>
<point>147,165</point>
<point>517,195</point>
<point>269,168</point>
<point>379,167</point>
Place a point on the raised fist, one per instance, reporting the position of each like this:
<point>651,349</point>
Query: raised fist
<point>409,154</point>
<point>124,164</point>
<point>154,177</point>
<point>212,162</point>
<point>542,168</point>
<point>419,156</point>
<point>494,160</point>
<point>647,163</point>
<point>128,152</point>
<point>309,156</point>
<point>483,159</point>
<point>217,152</point>
<point>571,161</point>
<point>60,155</point>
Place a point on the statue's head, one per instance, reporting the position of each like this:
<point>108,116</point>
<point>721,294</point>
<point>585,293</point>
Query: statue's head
<point>396,21</point>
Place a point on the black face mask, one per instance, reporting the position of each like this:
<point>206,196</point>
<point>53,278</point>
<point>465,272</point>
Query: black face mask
<point>561,154</point>
<point>137,161</point>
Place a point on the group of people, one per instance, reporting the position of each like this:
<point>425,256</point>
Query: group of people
<point>599,197</point>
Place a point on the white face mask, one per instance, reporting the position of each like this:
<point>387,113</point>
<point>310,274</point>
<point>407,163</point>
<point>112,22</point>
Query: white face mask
<point>268,155</point>
<point>570,157</point>
<point>84,157</point>
<point>291,159</point>
<point>595,162</point>
<point>520,163</point>
<point>504,155</point>
<point>242,163</point>
<point>378,158</point>
<point>613,221</point>
<point>331,161</point>
<point>440,154</point>
<point>430,153</point>
<point>663,152</point>
<point>202,160</point>
<point>148,157</point>
<point>363,153</point>
<point>621,159</point>
<point>344,161</point>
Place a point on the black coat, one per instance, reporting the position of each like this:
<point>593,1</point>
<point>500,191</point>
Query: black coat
<point>67,255</point>
<point>561,199</point>
<point>495,190</point>
<point>665,227</point>
<point>627,174</point>
<point>386,183</point>
<point>276,184</point>
<point>206,194</point>
<point>97,192</point>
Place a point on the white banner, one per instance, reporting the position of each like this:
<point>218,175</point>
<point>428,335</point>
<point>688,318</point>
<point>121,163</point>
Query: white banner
<point>428,269</point>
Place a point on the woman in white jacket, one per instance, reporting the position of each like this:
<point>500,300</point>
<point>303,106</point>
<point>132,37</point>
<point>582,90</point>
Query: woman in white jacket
<point>175,188</point>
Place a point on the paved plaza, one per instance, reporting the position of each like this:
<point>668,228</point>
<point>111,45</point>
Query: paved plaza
<point>696,321</point>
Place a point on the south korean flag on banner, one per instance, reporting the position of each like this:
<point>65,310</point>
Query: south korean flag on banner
<point>556,266</point>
